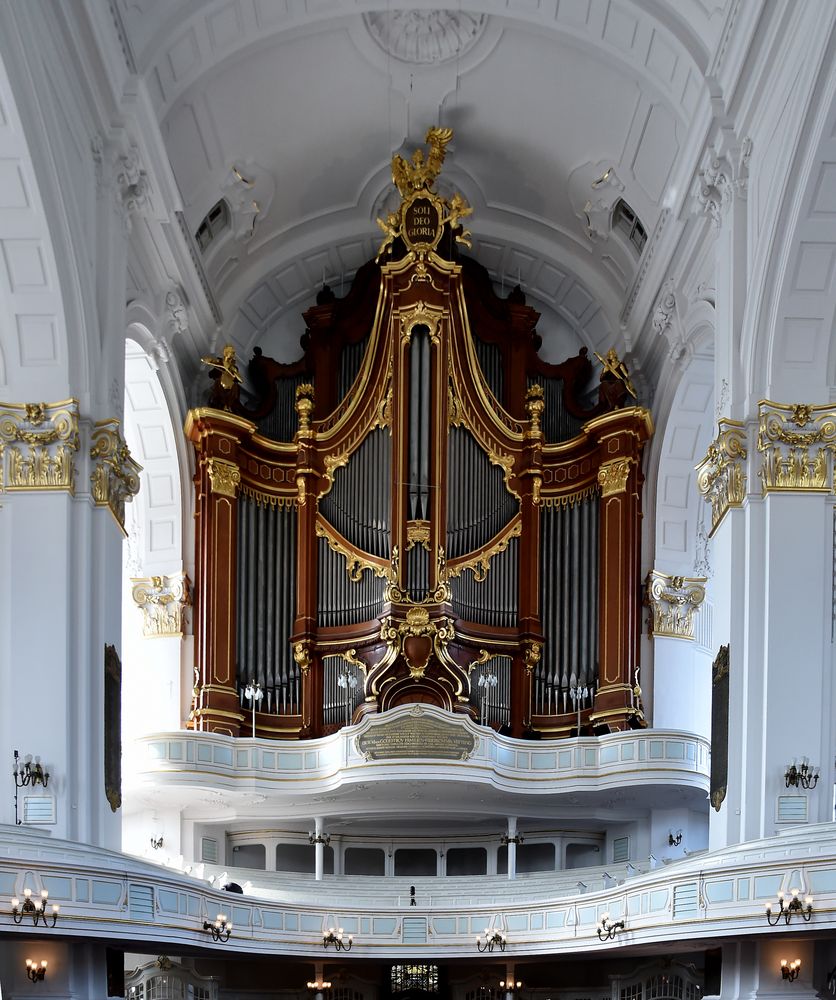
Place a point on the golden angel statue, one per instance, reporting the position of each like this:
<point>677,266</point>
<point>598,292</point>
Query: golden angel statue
<point>226,379</point>
<point>418,174</point>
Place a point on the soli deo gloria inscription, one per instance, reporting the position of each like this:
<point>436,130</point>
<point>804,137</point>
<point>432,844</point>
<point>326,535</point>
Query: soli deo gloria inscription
<point>416,736</point>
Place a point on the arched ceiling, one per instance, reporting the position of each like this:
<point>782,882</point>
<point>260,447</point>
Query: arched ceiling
<point>298,105</point>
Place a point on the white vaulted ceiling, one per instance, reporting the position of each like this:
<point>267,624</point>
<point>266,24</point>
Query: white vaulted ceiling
<point>308,99</point>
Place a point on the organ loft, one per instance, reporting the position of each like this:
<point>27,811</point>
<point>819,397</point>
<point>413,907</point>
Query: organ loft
<point>420,508</point>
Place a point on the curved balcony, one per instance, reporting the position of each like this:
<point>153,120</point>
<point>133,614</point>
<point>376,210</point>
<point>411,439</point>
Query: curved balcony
<point>107,894</point>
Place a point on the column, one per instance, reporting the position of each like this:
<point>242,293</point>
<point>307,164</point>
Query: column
<point>512,847</point>
<point>319,848</point>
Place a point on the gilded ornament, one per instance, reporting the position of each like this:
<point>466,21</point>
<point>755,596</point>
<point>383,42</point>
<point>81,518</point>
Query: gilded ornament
<point>480,564</point>
<point>115,476</point>
<point>674,601</point>
<point>163,601</point>
<point>40,440</point>
<point>224,476</point>
<point>420,315</point>
<point>304,408</point>
<point>302,655</point>
<point>531,654</point>
<point>418,533</point>
<point>534,406</point>
<point>613,475</point>
<point>226,379</point>
<point>797,442</point>
<point>720,477</point>
<point>355,562</point>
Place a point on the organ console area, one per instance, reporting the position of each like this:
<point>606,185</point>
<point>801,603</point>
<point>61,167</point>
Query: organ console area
<point>419,509</point>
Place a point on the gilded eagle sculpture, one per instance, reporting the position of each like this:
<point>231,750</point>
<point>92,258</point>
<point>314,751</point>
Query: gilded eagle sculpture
<point>415,179</point>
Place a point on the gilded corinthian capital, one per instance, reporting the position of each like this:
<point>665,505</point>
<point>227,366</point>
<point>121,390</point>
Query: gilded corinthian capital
<point>163,601</point>
<point>40,441</point>
<point>720,476</point>
<point>673,601</point>
<point>115,476</point>
<point>796,442</point>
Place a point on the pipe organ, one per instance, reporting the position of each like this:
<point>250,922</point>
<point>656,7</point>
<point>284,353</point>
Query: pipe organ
<point>420,509</point>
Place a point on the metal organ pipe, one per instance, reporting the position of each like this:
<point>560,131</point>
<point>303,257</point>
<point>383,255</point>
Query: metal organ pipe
<point>419,424</point>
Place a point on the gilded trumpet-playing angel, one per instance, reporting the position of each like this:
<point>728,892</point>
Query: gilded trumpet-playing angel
<point>226,379</point>
<point>421,173</point>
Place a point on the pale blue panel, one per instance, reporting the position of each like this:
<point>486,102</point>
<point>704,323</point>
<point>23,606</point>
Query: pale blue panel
<point>556,918</point>
<point>204,753</point>
<point>588,914</point>
<point>7,884</point>
<point>157,751</point>
<point>536,921</point>
<point>444,925</point>
<point>59,888</point>
<point>268,758</point>
<point>310,922</point>
<point>311,760</point>
<point>564,759</point>
<point>479,922</point>
<point>291,761</point>
<point>542,762</point>
<point>291,922</point>
<point>676,751</point>
<point>589,757</point>
<point>506,757</point>
<point>658,900</point>
<point>106,892</point>
<point>633,905</point>
<point>223,755</point>
<point>349,924</point>
<point>190,752</point>
<point>517,922</point>
<point>167,900</point>
<point>193,906</point>
<point>241,916</point>
<point>82,890</point>
<point>184,903</point>
<point>271,920</point>
<point>657,750</point>
<point>628,751</point>
<point>719,892</point>
<point>523,760</point>
<point>766,887</point>
<point>609,755</point>
<point>692,752</point>
<point>642,750</point>
<point>175,750</point>
<point>743,888</point>
<point>383,925</point>
<point>823,880</point>
<point>365,926</point>
<point>644,902</point>
<point>242,758</point>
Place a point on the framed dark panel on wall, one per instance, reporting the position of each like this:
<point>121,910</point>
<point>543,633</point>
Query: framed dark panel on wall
<point>113,727</point>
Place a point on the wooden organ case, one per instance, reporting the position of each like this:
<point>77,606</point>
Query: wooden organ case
<point>420,509</point>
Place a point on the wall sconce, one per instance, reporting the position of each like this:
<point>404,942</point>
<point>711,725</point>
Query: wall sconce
<point>505,840</point>
<point>157,843</point>
<point>36,971</point>
<point>318,985</point>
<point>334,936</point>
<point>675,841</point>
<point>29,773</point>
<point>220,929</point>
<point>510,986</point>
<point>37,913</point>
<point>790,971</point>
<point>607,929</point>
<point>803,776</point>
<point>491,940</point>
<point>795,906</point>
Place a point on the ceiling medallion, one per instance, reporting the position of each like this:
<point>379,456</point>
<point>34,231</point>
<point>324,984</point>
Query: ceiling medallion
<point>425,37</point>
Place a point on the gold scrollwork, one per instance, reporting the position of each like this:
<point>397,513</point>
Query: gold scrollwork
<point>302,655</point>
<point>393,593</point>
<point>531,655</point>
<point>480,564</point>
<point>355,563</point>
<point>163,601</point>
<point>50,433</point>
<point>115,476</point>
<point>720,477</point>
<point>418,533</point>
<point>263,499</point>
<point>224,476</point>
<point>673,601</point>
<point>420,314</point>
<point>304,409</point>
<point>613,475</point>
<point>418,623</point>
<point>795,441</point>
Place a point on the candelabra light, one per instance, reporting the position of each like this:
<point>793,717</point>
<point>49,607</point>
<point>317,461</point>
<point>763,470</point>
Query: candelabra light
<point>253,694</point>
<point>790,970</point>
<point>29,772</point>
<point>801,776</point>
<point>36,971</point>
<point>318,985</point>
<point>675,841</point>
<point>156,843</point>
<point>491,940</point>
<point>336,937</point>
<point>36,911</point>
<point>220,929</point>
<point>607,929</point>
<point>510,985</point>
<point>788,910</point>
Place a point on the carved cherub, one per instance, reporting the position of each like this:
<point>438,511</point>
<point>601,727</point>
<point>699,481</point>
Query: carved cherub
<point>458,209</point>
<point>226,379</point>
<point>392,228</point>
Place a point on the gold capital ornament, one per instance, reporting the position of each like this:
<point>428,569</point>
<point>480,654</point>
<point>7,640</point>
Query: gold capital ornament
<point>163,601</point>
<point>796,442</point>
<point>39,441</point>
<point>115,476</point>
<point>720,476</point>
<point>673,601</point>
